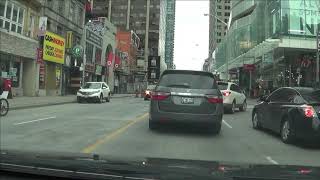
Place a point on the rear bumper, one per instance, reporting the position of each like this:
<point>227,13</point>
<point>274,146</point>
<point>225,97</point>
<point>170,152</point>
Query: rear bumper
<point>309,131</point>
<point>186,118</point>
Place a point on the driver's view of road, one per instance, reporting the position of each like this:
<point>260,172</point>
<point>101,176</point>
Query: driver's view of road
<point>160,89</point>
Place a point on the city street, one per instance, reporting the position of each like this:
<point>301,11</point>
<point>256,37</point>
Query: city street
<point>120,128</point>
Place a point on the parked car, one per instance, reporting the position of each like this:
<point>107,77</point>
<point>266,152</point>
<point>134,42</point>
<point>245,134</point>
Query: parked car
<point>293,112</point>
<point>96,91</point>
<point>233,97</point>
<point>190,97</point>
<point>147,93</point>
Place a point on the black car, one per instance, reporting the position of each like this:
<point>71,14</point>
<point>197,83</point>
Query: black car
<point>291,111</point>
<point>187,97</point>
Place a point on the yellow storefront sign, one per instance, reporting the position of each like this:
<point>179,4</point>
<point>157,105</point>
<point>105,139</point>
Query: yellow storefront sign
<point>53,48</point>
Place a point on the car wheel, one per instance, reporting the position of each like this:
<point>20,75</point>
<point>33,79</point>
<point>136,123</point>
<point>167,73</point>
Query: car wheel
<point>101,98</point>
<point>216,128</point>
<point>233,107</point>
<point>243,107</point>
<point>79,100</point>
<point>108,98</point>
<point>255,121</point>
<point>286,132</point>
<point>152,125</point>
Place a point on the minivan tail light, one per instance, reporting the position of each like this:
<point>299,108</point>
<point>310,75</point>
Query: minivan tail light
<point>159,96</point>
<point>214,99</point>
<point>226,93</point>
<point>308,111</point>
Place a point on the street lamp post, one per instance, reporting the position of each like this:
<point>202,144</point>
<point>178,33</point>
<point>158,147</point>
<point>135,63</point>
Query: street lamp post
<point>318,54</point>
<point>227,63</point>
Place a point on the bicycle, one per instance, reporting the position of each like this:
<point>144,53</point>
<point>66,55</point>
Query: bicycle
<point>4,104</point>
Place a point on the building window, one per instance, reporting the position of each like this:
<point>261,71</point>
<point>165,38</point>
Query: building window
<point>218,40</point>
<point>11,16</point>
<point>219,7</point>
<point>71,11</point>
<point>226,20</point>
<point>218,33</point>
<point>218,26</point>
<point>80,18</point>
<point>31,26</point>
<point>227,7</point>
<point>227,14</point>
<point>227,1</point>
<point>61,7</point>
<point>224,33</point>
<point>59,30</point>
<point>219,13</point>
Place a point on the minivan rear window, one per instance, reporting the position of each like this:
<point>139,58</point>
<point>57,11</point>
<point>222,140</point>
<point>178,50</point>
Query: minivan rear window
<point>192,81</point>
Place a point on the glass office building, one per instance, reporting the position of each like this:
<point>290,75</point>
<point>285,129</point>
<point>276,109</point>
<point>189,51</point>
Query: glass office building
<point>278,37</point>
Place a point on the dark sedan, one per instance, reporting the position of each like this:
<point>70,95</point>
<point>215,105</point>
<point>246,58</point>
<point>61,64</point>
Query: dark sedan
<point>293,112</point>
<point>187,97</point>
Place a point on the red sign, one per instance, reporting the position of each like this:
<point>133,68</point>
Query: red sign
<point>249,67</point>
<point>39,55</point>
<point>110,59</point>
<point>117,61</point>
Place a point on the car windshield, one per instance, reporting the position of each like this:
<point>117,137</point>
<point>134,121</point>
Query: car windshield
<point>171,83</point>
<point>151,87</point>
<point>223,86</point>
<point>92,86</point>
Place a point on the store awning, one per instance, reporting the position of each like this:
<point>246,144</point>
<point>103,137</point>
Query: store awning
<point>250,57</point>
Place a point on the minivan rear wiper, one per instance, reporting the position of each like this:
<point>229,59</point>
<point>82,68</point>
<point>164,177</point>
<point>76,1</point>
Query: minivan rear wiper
<point>179,85</point>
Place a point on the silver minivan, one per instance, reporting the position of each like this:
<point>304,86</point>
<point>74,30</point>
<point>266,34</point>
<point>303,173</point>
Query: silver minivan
<point>184,96</point>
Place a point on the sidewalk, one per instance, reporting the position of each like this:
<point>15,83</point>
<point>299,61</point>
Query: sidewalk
<point>31,102</point>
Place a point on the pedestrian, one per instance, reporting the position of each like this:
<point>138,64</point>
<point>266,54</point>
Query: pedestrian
<point>1,85</point>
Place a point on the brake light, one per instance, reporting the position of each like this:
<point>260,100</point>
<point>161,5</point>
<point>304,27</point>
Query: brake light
<point>214,99</point>
<point>308,111</point>
<point>226,93</point>
<point>159,96</point>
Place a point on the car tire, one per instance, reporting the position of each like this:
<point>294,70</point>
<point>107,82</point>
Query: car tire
<point>79,100</point>
<point>108,98</point>
<point>100,99</point>
<point>243,107</point>
<point>286,132</point>
<point>152,125</point>
<point>232,108</point>
<point>216,129</point>
<point>255,121</point>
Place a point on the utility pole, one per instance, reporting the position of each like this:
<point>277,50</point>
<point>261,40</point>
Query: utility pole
<point>128,15</point>
<point>318,54</point>
<point>109,10</point>
<point>146,41</point>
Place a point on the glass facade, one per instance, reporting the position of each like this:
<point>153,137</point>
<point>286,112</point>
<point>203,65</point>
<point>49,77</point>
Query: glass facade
<point>247,41</point>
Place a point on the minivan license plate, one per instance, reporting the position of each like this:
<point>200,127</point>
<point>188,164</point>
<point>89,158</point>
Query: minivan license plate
<point>185,100</point>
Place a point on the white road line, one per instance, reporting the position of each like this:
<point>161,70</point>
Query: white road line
<point>36,120</point>
<point>271,160</point>
<point>227,124</point>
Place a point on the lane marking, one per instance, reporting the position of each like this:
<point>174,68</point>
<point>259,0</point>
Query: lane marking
<point>36,120</point>
<point>112,135</point>
<point>227,124</point>
<point>271,160</point>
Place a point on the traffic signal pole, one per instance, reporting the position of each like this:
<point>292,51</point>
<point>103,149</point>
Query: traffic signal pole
<point>318,54</point>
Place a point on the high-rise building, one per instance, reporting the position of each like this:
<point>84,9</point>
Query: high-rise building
<point>166,31</point>
<point>140,16</point>
<point>219,13</point>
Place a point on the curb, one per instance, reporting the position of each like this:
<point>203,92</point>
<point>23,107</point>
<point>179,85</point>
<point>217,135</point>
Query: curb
<point>53,104</point>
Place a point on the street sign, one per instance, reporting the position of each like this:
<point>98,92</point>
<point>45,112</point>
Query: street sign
<point>249,67</point>
<point>77,51</point>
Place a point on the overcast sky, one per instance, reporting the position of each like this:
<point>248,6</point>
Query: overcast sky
<point>191,34</point>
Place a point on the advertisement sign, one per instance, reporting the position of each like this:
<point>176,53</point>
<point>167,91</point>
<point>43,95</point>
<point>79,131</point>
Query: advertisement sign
<point>53,48</point>
<point>98,70</point>
<point>89,68</point>
<point>69,39</point>
<point>42,26</point>
<point>39,55</point>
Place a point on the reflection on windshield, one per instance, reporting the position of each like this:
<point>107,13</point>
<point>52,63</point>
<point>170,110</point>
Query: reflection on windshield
<point>92,86</point>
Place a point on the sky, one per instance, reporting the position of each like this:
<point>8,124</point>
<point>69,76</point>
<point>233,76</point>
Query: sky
<point>191,34</point>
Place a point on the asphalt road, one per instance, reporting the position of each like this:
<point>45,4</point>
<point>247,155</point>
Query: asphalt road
<point>120,128</point>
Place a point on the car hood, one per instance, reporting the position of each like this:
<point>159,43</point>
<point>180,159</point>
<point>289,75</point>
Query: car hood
<point>100,167</point>
<point>88,90</point>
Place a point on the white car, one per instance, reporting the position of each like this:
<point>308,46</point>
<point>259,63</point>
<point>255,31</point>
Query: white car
<point>97,91</point>
<point>233,97</point>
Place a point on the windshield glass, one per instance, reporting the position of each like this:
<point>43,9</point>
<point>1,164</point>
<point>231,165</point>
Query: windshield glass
<point>92,86</point>
<point>223,86</point>
<point>312,97</point>
<point>134,80</point>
